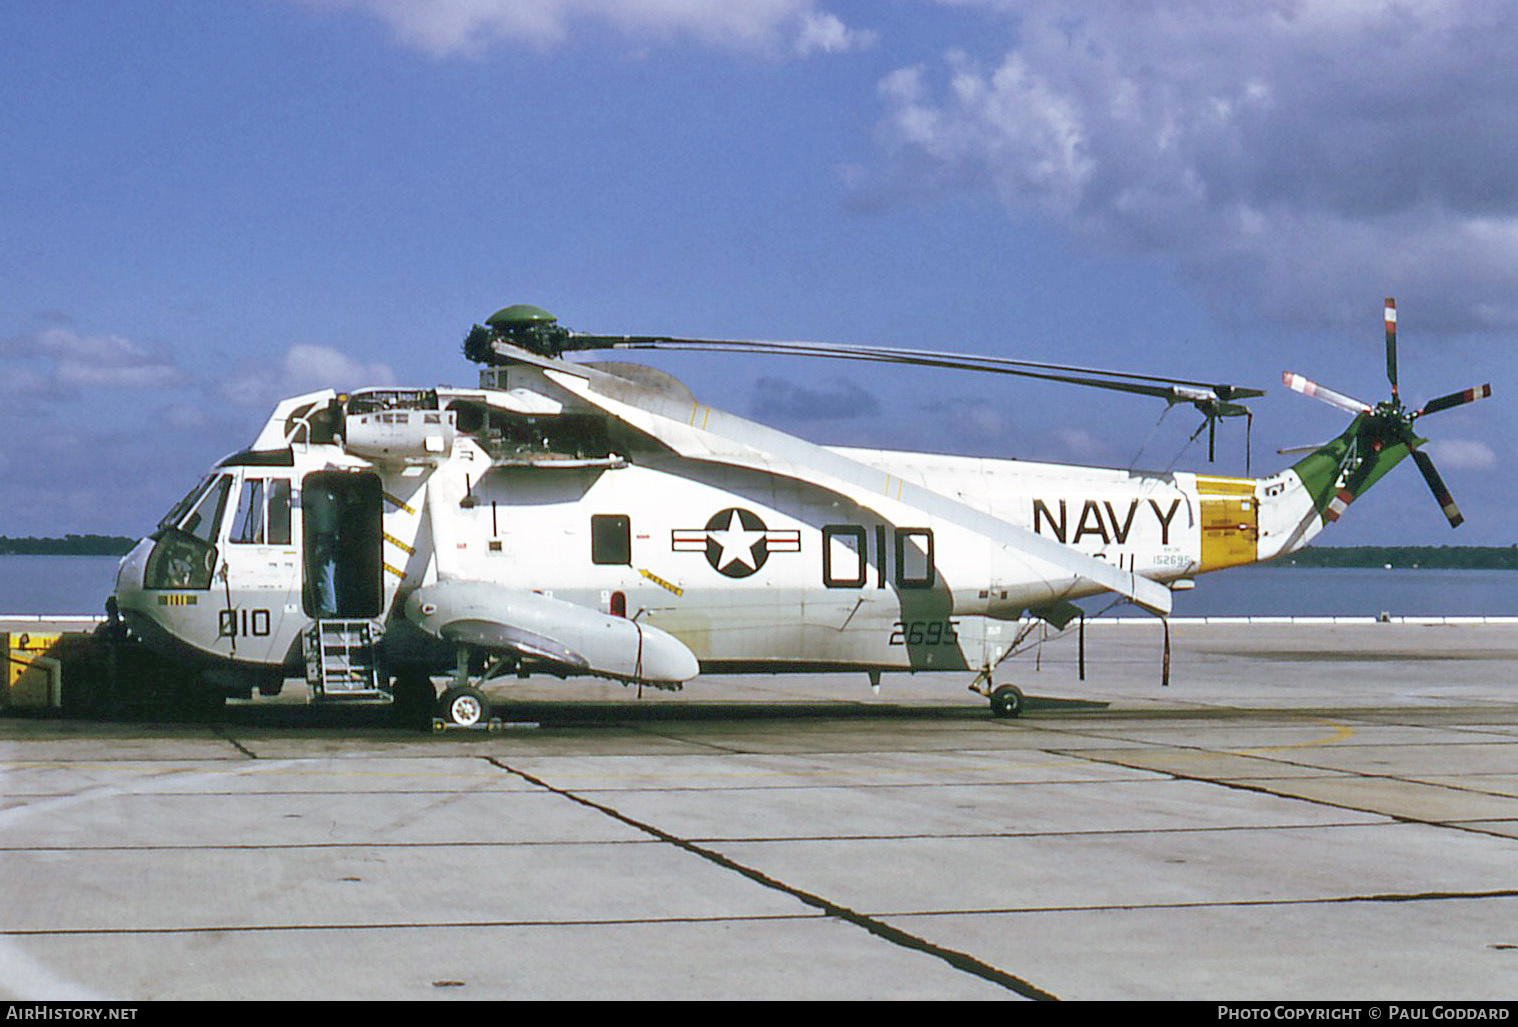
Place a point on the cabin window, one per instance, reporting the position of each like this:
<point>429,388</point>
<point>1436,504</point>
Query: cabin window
<point>279,511</point>
<point>263,513</point>
<point>248,522</point>
<point>611,539</point>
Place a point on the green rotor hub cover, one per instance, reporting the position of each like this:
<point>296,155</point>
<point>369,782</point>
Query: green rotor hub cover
<point>519,316</point>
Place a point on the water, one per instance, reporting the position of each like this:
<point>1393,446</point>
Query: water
<point>79,585</point>
<point>1349,592</point>
<point>56,584</point>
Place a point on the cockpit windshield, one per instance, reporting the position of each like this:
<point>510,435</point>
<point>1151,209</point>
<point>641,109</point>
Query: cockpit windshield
<point>205,518</point>
<point>184,555</point>
<point>182,507</point>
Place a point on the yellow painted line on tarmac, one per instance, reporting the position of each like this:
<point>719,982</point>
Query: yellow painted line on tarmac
<point>1341,732</point>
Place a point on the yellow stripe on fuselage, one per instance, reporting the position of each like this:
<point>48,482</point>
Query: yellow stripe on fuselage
<point>1210,486</point>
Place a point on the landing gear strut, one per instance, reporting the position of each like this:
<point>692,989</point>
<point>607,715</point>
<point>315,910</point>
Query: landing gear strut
<point>1006,700</point>
<point>463,704</point>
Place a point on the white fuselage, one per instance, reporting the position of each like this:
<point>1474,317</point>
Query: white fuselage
<point>754,566</point>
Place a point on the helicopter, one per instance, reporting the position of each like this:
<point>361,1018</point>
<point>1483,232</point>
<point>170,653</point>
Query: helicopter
<point>581,518</point>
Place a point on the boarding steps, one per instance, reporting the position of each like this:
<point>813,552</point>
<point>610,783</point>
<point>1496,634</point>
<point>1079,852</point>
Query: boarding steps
<point>342,661</point>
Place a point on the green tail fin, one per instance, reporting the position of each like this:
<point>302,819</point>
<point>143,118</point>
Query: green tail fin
<point>1340,472</point>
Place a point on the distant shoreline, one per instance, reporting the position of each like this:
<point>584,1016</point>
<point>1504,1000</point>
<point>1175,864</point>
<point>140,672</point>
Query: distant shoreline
<point>69,545</point>
<point>1433,558</point>
<point>1448,558</point>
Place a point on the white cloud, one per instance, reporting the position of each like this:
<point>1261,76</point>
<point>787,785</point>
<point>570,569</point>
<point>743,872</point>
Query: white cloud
<point>824,33</point>
<point>119,477</point>
<point>304,368</point>
<point>833,400</point>
<point>447,27</point>
<point>61,360</point>
<point>1299,154</point>
<point>1462,455</point>
<point>1079,444</point>
<point>975,421</point>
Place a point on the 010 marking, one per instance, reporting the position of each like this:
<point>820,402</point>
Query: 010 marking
<point>849,567</point>
<point>244,623</point>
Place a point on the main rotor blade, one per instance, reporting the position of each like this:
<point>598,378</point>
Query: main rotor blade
<point>1293,450</point>
<point>1436,485</point>
<point>1173,390</point>
<point>1391,343</point>
<point>1455,399</point>
<point>1307,387</point>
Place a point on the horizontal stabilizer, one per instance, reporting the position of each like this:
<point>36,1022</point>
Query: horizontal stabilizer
<point>1058,614</point>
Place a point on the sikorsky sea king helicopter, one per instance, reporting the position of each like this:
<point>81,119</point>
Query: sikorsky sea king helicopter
<point>595,519</point>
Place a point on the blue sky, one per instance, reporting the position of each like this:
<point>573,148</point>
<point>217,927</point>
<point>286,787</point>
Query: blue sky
<point>207,206</point>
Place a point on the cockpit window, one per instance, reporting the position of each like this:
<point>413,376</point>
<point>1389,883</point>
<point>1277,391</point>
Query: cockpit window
<point>203,521</point>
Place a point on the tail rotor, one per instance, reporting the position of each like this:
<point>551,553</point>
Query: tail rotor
<point>1384,425</point>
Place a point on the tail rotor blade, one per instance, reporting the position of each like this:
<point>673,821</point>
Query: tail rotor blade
<point>1455,399</point>
<point>1436,485</point>
<point>1307,387</point>
<point>1388,424</point>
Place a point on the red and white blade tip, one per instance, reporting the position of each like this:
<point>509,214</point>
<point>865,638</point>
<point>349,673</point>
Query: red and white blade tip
<point>1338,504</point>
<point>1308,387</point>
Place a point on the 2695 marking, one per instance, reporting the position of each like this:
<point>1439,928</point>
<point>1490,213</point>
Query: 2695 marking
<point>925,632</point>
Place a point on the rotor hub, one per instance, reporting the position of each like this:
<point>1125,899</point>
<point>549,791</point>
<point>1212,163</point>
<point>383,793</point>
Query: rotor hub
<point>521,325</point>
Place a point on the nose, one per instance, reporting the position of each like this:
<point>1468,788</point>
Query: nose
<point>130,573</point>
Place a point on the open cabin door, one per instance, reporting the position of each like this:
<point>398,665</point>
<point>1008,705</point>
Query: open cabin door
<point>343,534</point>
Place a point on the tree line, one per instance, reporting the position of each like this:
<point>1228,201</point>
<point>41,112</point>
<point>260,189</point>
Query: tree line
<point>68,545</point>
<point>1405,557</point>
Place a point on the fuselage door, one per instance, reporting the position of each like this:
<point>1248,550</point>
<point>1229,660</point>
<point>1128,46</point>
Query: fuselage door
<point>1230,531</point>
<point>342,529</point>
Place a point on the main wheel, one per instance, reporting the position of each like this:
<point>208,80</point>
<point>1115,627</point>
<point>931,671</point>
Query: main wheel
<point>1007,701</point>
<point>464,706</point>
